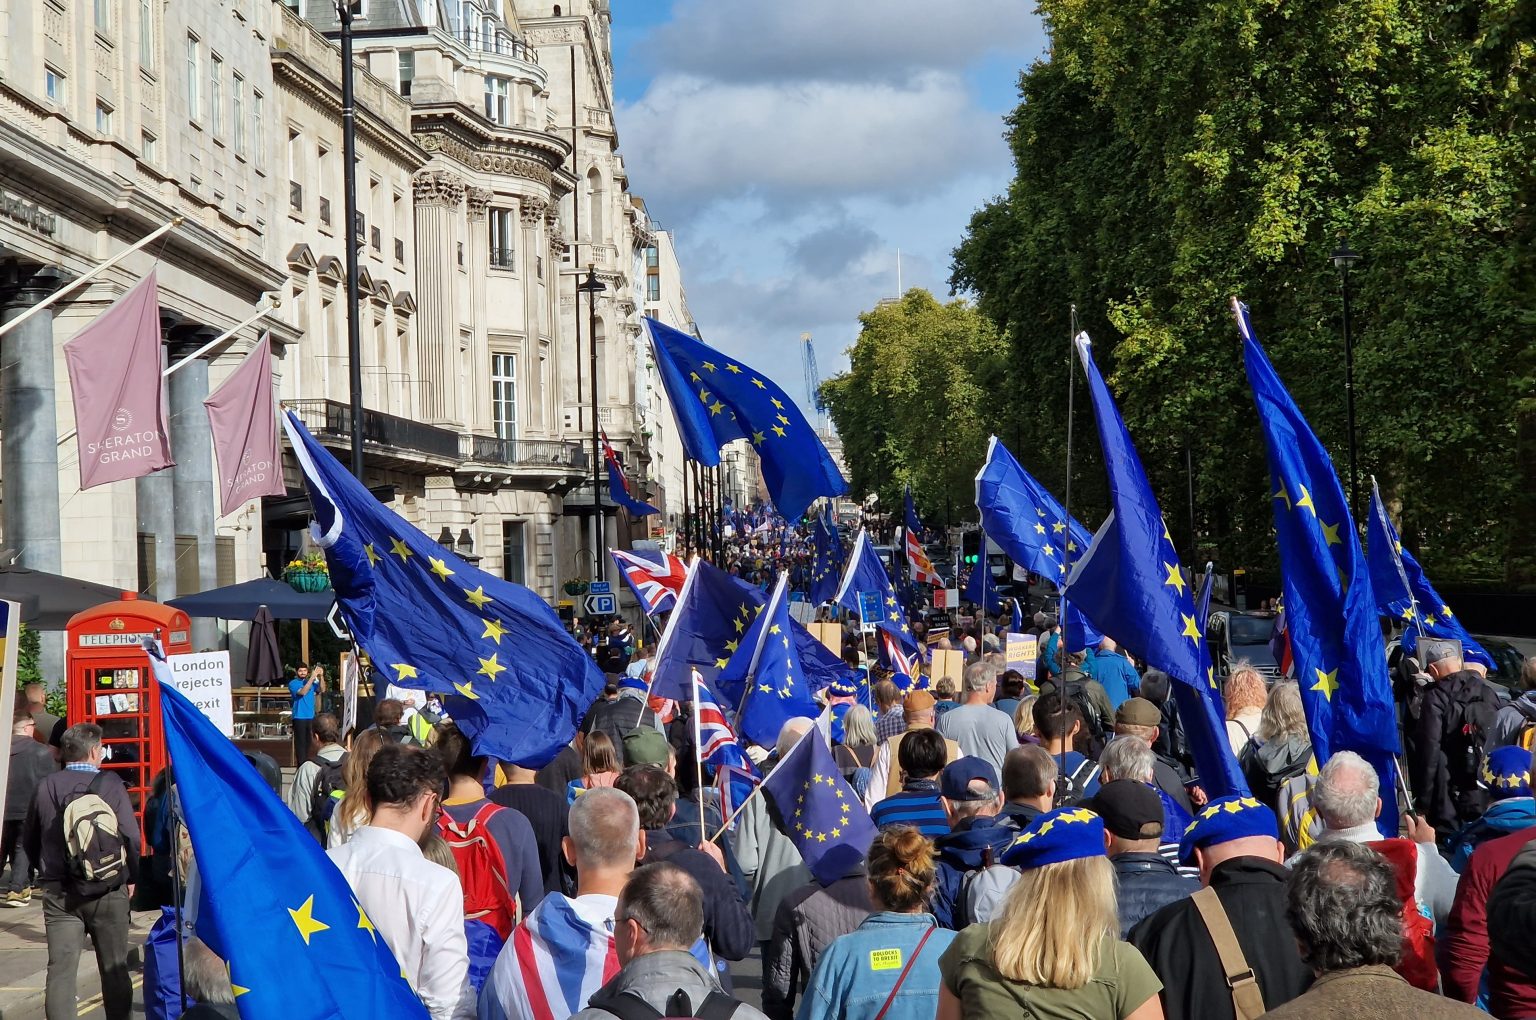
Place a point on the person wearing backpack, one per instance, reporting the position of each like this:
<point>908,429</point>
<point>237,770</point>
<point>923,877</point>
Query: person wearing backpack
<point>1508,779</point>
<point>318,776</point>
<point>971,877</point>
<point>82,833</point>
<point>660,913</point>
<point>1515,725</point>
<point>1448,740</point>
<point>1059,721</point>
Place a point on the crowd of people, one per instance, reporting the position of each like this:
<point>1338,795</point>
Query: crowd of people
<point>1044,848</point>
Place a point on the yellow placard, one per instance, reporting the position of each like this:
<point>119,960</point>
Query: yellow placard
<point>948,662</point>
<point>885,959</point>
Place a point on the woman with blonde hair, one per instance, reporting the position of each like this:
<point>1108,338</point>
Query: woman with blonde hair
<point>888,967</point>
<point>1024,720</point>
<point>1281,747</point>
<point>1246,695</point>
<point>353,809</point>
<point>1055,950</point>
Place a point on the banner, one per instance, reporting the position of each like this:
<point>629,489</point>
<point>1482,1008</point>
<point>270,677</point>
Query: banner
<point>349,684</point>
<point>1023,654</point>
<point>242,418</point>
<point>203,679</point>
<point>948,662</point>
<point>116,387</point>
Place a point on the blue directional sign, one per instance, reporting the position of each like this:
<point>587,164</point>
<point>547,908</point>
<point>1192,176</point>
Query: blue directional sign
<point>600,588</point>
<point>602,605</point>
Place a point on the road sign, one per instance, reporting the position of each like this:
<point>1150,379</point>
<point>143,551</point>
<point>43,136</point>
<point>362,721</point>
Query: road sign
<point>600,588</point>
<point>601,605</point>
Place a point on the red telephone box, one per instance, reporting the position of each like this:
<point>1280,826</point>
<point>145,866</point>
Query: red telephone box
<point>109,683</point>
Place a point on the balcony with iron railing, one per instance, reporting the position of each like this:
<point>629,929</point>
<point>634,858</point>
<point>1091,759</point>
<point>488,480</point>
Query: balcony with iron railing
<point>490,463</point>
<point>497,42</point>
<point>390,440</point>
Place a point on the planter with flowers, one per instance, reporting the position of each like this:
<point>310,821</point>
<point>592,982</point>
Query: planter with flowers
<point>308,573</point>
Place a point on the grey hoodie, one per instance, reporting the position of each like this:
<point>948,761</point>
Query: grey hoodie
<point>1512,719</point>
<point>655,977</point>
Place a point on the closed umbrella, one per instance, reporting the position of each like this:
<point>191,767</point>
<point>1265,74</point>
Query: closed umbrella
<point>264,663</point>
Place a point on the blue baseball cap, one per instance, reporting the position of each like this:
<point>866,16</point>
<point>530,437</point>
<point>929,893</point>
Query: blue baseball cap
<point>956,779</point>
<point>1065,834</point>
<point>1225,820</point>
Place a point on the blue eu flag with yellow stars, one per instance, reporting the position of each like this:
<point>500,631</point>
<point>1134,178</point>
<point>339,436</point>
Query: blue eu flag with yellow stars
<point>981,590</point>
<point>717,400</point>
<point>820,812</point>
<point>772,688</point>
<point>515,681</point>
<point>274,907</point>
<point>826,559</point>
<point>1130,585</point>
<point>1403,591</point>
<point>864,575</point>
<point>1330,608</point>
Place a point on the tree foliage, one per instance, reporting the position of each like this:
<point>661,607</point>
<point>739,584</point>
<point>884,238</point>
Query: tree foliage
<point>1173,154</point>
<point>918,401</point>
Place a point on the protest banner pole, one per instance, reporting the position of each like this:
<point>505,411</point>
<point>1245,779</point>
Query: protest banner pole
<point>698,758</point>
<point>87,277</point>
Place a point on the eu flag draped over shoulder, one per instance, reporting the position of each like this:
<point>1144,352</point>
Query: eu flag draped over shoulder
<point>822,814</point>
<point>1330,609</point>
<point>1403,591</point>
<point>274,907</point>
<point>515,682</point>
<point>1129,584</point>
<point>772,687</point>
<point>717,399</point>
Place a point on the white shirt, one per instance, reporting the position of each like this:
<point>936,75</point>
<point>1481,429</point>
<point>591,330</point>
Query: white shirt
<point>417,907</point>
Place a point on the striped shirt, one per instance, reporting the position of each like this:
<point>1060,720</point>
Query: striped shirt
<point>917,805</point>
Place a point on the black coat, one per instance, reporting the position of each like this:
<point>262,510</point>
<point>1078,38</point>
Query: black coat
<point>1175,942</point>
<point>1146,883</point>
<point>1444,765</point>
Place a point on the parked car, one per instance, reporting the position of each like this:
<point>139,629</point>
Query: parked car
<point>1235,636</point>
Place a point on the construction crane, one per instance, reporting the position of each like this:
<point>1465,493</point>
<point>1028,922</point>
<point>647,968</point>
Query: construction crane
<point>812,375</point>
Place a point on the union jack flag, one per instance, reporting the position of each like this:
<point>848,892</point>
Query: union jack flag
<point>716,740</point>
<point>735,783</point>
<point>904,663</point>
<point>655,577</point>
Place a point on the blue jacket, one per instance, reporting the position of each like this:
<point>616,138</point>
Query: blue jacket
<point>1115,672</point>
<point>1501,818</point>
<point>856,973</point>
<point>1145,883</point>
<point>978,842</point>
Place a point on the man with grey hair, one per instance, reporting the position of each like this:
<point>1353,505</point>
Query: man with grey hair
<point>1341,901</point>
<point>980,730</point>
<point>1347,799</point>
<point>972,799</point>
<point>1131,757</point>
<point>660,914</point>
<point>1448,736</point>
<point>560,947</point>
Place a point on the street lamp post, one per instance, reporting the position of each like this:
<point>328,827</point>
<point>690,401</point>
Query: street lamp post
<point>592,287</point>
<point>345,14</point>
<point>1344,260</point>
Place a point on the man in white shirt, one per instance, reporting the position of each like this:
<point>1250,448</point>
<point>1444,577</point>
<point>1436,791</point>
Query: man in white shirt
<point>557,957</point>
<point>416,907</point>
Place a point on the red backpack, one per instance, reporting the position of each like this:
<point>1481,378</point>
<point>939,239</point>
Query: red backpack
<point>1417,966</point>
<point>482,870</point>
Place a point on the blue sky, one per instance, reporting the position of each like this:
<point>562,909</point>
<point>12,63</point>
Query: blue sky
<point>793,147</point>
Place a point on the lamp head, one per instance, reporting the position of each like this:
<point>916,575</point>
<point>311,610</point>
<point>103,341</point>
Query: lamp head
<point>1343,258</point>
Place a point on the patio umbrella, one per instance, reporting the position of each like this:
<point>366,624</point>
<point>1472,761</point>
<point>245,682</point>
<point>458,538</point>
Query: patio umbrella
<point>49,600</point>
<point>264,663</point>
<point>241,601</point>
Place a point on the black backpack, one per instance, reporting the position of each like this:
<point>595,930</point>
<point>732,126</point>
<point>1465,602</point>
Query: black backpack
<point>1474,705</point>
<point>1070,788</point>
<point>1093,722</point>
<point>321,804</point>
<point>716,1006</point>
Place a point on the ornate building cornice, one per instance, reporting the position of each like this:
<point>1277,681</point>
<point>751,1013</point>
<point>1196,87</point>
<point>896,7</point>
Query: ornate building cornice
<point>532,210</point>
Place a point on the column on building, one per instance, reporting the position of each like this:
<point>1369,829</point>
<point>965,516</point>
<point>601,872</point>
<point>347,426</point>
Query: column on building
<point>437,199</point>
<point>478,247</point>
<point>192,478</point>
<point>155,502</point>
<point>29,451</point>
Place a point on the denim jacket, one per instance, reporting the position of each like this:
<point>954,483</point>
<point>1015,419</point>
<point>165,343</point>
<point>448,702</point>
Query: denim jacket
<point>855,975</point>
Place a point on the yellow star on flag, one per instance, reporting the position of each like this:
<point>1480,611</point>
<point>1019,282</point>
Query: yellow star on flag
<point>236,990</point>
<point>467,688</point>
<point>716,408</point>
<point>363,922</point>
<point>439,568</point>
<point>1280,493</point>
<point>1326,682</point>
<point>494,630</point>
<point>758,439</point>
<point>373,557</point>
<point>736,369</point>
<point>1445,611</point>
<point>304,920</point>
<point>400,549</point>
<point>477,597</point>
<point>1175,577</point>
<point>490,667</point>
<point>1058,527</point>
<point>709,366</point>
<point>1190,630</point>
<point>1331,534</point>
<point>759,384</point>
<point>778,430</point>
<point>403,671</point>
<point>1306,501</point>
<point>776,404</point>
<point>721,663</point>
<point>1039,528</point>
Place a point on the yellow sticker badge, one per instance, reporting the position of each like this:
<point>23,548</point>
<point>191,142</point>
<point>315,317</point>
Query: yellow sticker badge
<point>885,959</point>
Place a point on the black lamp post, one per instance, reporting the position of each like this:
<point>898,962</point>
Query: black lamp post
<point>345,14</point>
<point>1344,260</point>
<point>592,287</point>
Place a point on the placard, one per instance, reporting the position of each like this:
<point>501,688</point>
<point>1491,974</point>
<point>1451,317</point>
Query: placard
<point>203,678</point>
<point>871,609</point>
<point>946,598</point>
<point>1023,654</point>
<point>948,662</point>
<point>831,635</point>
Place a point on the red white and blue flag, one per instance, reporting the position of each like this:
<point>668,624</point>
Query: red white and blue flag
<point>717,744</point>
<point>618,485</point>
<point>556,961</point>
<point>906,664</point>
<point>655,577</point>
<point>735,783</point>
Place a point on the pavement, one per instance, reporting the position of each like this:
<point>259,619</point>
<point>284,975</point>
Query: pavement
<point>24,965</point>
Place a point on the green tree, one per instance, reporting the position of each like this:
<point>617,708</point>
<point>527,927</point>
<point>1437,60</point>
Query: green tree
<point>1172,155</point>
<point>921,394</point>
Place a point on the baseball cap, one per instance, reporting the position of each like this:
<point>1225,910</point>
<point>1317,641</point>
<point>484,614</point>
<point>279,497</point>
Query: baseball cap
<point>1138,712</point>
<point>1131,810</point>
<point>958,775</point>
<point>645,746</point>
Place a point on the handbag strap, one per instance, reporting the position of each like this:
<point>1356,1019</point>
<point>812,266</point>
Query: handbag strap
<point>1247,997</point>
<point>903,975</point>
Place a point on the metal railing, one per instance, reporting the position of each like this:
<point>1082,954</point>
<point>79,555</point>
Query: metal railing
<point>502,258</point>
<point>332,420</point>
<point>523,452</point>
<point>497,42</point>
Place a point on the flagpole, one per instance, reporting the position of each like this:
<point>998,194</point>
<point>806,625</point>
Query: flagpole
<point>80,281</point>
<point>748,798</point>
<point>687,513</point>
<point>1066,554</point>
<point>273,296</point>
<point>698,759</point>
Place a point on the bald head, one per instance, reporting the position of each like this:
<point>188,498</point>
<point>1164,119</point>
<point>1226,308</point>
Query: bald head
<point>1210,857</point>
<point>790,734</point>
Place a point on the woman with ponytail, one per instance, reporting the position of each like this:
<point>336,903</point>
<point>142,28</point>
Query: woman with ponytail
<point>888,968</point>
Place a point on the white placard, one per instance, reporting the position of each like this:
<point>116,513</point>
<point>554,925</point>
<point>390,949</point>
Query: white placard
<point>203,678</point>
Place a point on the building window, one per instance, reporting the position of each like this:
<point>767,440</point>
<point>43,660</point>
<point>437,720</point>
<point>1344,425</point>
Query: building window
<point>103,14</point>
<point>325,210</point>
<point>651,257</point>
<point>501,223</point>
<point>504,394</point>
<point>400,251</point>
<point>406,68</point>
<point>653,288</point>
<point>103,118</point>
<point>513,550</point>
<point>216,93</point>
<point>460,249</point>
<point>498,100</point>
<point>295,171</point>
<point>259,127</point>
<point>237,112</point>
<point>53,86</point>
<point>146,34</point>
<point>149,146</point>
<point>194,76</point>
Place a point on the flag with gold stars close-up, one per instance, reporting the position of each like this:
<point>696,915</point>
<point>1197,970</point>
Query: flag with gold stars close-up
<point>822,814</point>
<point>274,907</point>
<point>1330,608</point>
<point>514,679</point>
<point>717,399</point>
<point>764,676</point>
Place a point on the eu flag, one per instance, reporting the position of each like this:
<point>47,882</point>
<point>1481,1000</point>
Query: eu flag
<point>1330,609</point>
<point>772,689</point>
<point>864,575</point>
<point>618,484</point>
<point>717,399</point>
<point>1203,599</point>
<point>516,683</point>
<point>826,559</point>
<point>1403,591</point>
<point>821,813</point>
<point>298,945</point>
<point>1130,585</point>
